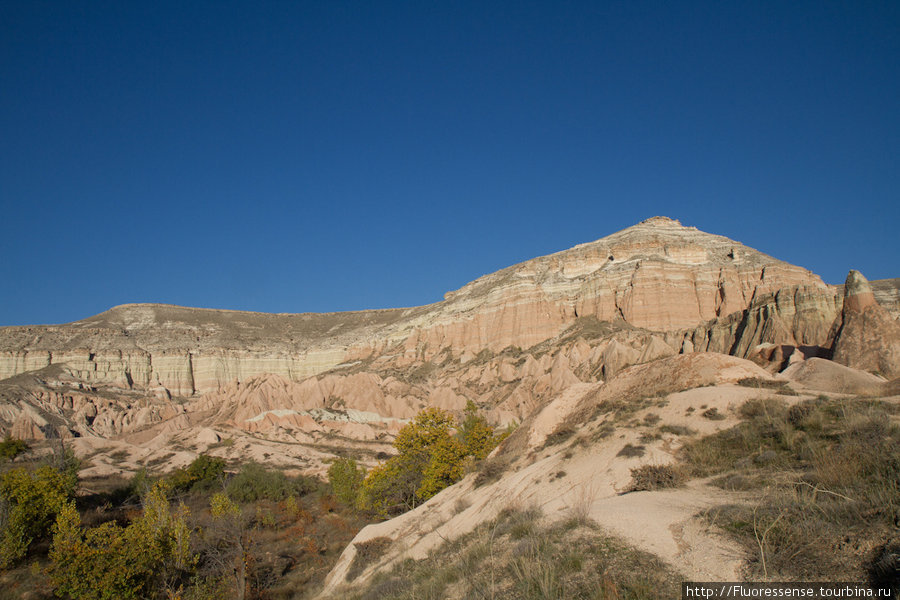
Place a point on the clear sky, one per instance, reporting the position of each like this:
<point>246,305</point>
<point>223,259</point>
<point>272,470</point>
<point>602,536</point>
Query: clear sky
<point>324,156</point>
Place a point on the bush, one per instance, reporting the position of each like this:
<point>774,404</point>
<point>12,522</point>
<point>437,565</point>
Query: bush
<point>655,477</point>
<point>31,501</point>
<point>713,414</point>
<point>631,451</point>
<point>254,482</point>
<point>12,447</point>
<point>109,562</point>
<point>346,479</point>
<point>205,473</point>
<point>366,553</point>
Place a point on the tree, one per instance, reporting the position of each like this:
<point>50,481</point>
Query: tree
<point>476,434</point>
<point>429,458</point>
<point>204,473</point>
<point>445,467</point>
<point>31,500</point>
<point>150,556</point>
<point>11,447</point>
<point>230,542</point>
<point>390,488</point>
<point>346,478</point>
<point>429,427</point>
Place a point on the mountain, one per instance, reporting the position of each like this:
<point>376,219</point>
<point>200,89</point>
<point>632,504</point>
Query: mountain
<point>701,291</point>
<point>509,341</point>
<point>608,356</point>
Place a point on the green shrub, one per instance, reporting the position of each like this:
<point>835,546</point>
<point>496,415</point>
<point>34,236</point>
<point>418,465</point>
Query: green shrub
<point>346,479</point>
<point>31,499</point>
<point>254,482</point>
<point>203,474</point>
<point>12,447</point>
<point>146,559</point>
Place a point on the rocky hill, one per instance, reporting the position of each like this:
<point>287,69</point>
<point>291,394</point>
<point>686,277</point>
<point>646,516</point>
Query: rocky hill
<point>509,340</point>
<point>700,291</point>
<point>571,343</point>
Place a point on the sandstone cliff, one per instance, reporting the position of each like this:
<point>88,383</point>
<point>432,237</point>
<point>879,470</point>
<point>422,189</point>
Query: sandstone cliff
<point>509,341</point>
<point>657,275</point>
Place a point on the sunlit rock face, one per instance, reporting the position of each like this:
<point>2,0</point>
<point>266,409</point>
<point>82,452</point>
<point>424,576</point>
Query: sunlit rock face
<point>868,337</point>
<point>509,340</point>
<point>657,275</point>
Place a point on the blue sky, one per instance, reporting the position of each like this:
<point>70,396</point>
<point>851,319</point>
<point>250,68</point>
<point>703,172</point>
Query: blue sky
<point>325,156</point>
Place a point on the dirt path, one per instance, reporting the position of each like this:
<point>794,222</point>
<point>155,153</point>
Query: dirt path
<point>664,523</point>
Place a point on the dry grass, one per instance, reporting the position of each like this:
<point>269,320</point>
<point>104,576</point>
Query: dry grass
<point>780,387</point>
<point>676,429</point>
<point>491,469</point>
<point>559,435</point>
<point>517,556</point>
<point>828,473</point>
<point>367,553</point>
<point>655,477</point>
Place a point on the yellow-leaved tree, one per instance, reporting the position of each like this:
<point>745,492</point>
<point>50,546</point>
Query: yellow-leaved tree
<point>31,500</point>
<point>149,557</point>
<point>432,453</point>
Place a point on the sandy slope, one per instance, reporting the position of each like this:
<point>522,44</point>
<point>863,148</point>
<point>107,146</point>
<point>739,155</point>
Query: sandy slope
<point>585,475</point>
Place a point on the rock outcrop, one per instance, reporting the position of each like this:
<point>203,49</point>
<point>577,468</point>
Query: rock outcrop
<point>868,338</point>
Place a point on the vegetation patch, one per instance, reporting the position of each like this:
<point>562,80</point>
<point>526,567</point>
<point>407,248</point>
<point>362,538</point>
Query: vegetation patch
<point>829,475</point>
<point>517,556</point>
<point>713,414</point>
<point>12,447</point>
<point>559,435</point>
<point>255,482</point>
<point>491,470</point>
<point>676,429</point>
<point>631,451</point>
<point>655,477</point>
<point>367,553</point>
<point>261,535</point>
<point>433,452</point>
<point>781,387</point>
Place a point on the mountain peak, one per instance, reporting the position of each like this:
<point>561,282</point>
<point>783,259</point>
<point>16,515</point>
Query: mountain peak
<point>661,221</point>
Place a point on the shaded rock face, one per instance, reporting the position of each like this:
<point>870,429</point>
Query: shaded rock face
<point>868,337</point>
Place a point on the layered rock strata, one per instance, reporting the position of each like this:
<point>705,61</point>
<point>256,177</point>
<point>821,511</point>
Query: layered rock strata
<point>702,292</point>
<point>867,338</point>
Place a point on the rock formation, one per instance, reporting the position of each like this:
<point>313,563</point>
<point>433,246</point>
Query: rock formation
<point>868,338</point>
<point>509,341</point>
